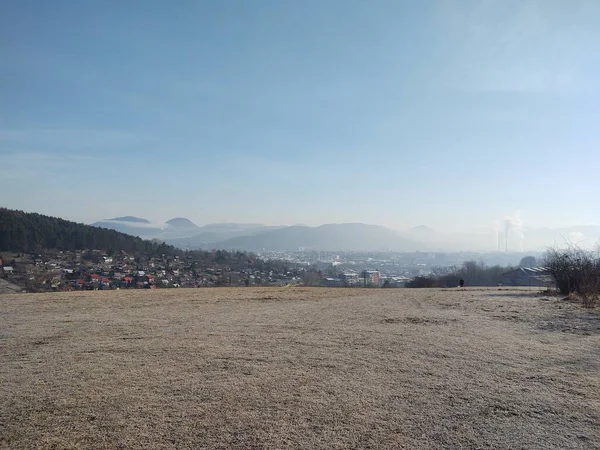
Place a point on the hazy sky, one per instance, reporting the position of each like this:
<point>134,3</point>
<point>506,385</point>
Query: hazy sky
<point>447,113</point>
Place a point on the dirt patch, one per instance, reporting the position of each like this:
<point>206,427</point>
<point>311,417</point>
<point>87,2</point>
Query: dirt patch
<point>418,320</point>
<point>572,321</point>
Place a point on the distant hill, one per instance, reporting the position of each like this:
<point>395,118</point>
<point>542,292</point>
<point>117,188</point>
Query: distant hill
<point>233,227</point>
<point>182,223</point>
<point>129,219</point>
<point>335,237</point>
<point>134,226</point>
<point>422,229</point>
<point>30,232</point>
<point>182,232</point>
<point>210,236</point>
<point>177,227</point>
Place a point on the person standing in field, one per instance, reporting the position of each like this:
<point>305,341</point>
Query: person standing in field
<point>461,283</point>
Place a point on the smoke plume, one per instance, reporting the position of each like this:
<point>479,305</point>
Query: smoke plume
<point>510,232</point>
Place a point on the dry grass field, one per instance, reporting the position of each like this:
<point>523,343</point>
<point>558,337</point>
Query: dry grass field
<point>298,368</point>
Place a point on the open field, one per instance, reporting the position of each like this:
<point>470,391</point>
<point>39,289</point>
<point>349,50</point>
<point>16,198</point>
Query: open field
<point>298,368</point>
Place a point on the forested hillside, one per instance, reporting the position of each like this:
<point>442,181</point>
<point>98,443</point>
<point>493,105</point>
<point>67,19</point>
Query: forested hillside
<point>30,232</point>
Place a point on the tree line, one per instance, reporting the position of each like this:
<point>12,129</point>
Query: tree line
<point>474,273</point>
<point>32,232</point>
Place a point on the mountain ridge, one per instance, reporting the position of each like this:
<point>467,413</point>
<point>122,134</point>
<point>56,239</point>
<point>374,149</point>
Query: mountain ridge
<point>183,233</point>
<point>131,219</point>
<point>334,237</point>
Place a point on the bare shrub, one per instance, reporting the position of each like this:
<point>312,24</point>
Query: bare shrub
<point>576,272</point>
<point>423,282</point>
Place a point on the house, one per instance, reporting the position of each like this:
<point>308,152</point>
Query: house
<point>528,276</point>
<point>8,269</point>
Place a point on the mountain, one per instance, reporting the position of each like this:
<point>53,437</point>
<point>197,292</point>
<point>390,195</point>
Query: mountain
<point>129,219</point>
<point>232,227</point>
<point>422,229</point>
<point>182,232</point>
<point>420,232</point>
<point>334,237</point>
<point>182,223</point>
<point>134,226</point>
<point>28,232</point>
<point>209,236</point>
<point>177,227</point>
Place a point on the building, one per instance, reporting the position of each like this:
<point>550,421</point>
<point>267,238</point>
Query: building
<point>399,281</point>
<point>333,282</point>
<point>370,278</point>
<point>528,276</point>
<point>350,279</point>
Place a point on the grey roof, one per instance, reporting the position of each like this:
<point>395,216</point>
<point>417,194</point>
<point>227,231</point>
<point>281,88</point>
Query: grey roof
<point>535,270</point>
<point>531,271</point>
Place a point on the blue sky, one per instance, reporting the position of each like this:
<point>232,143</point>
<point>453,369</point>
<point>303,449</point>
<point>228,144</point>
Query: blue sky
<point>451,113</point>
